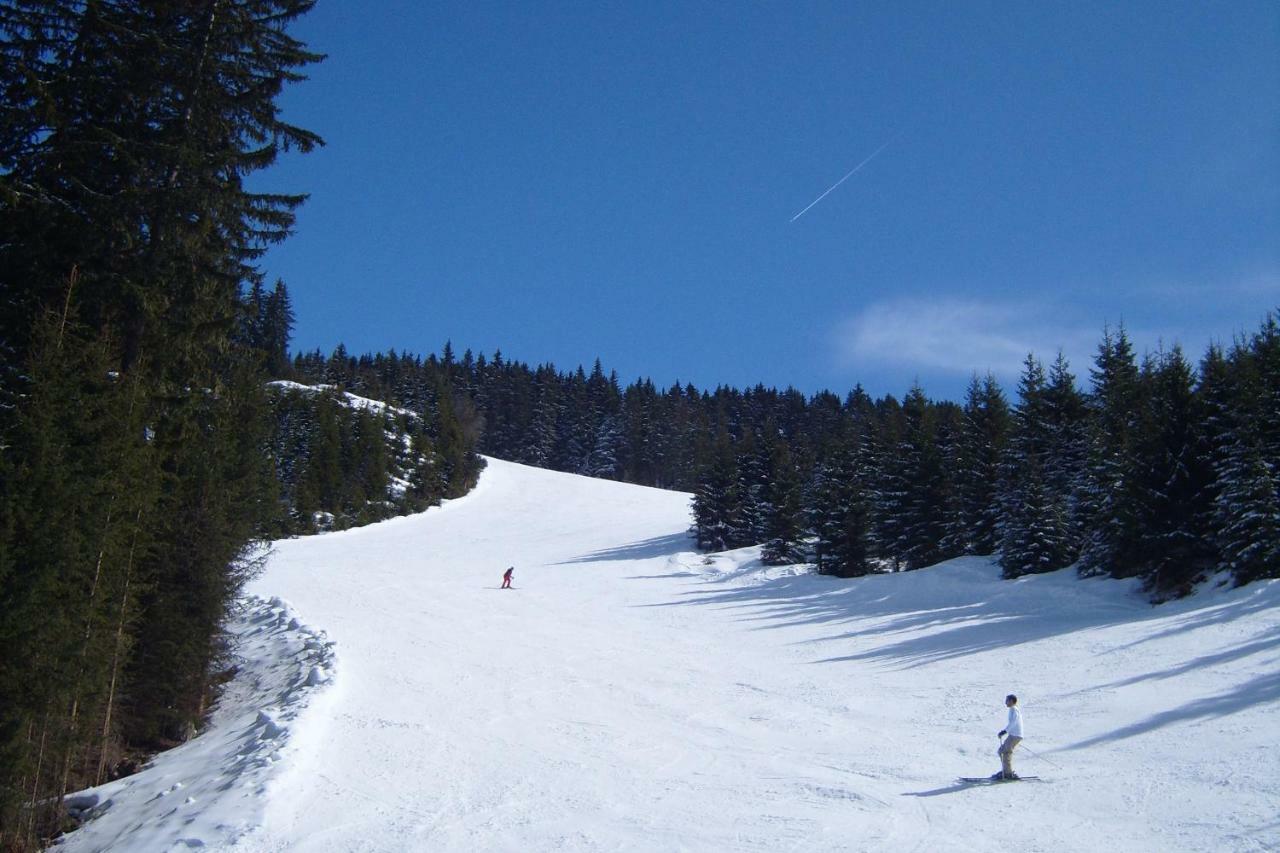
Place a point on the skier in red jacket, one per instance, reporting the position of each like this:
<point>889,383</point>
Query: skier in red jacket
<point>506,577</point>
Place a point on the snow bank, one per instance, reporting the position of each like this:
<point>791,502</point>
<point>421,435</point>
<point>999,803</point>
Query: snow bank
<point>210,791</point>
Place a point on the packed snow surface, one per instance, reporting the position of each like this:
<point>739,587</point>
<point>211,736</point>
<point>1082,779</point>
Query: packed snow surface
<point>630,694</point>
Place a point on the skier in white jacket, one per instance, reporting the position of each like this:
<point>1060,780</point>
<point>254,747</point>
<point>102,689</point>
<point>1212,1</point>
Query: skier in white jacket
<point>1013,730</point>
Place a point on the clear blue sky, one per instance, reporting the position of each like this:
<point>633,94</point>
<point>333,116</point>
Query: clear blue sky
<point>570,180</point>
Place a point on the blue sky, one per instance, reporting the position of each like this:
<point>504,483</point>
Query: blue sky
<point>566,181</point>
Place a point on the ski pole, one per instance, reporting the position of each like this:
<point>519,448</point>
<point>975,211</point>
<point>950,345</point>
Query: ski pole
<point>1035,754</point>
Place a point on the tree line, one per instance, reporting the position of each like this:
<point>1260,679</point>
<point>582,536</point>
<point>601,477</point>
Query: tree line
<point>1160,470</point>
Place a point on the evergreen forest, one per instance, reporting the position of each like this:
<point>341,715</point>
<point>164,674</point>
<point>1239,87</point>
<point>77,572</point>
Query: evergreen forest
<point>1161,470</point>
<point>133,420</point>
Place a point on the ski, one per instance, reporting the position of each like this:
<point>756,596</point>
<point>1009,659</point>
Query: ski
<point>977,780</point>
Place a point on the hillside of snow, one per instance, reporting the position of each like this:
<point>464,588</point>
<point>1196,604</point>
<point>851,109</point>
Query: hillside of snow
<point>630,694</point>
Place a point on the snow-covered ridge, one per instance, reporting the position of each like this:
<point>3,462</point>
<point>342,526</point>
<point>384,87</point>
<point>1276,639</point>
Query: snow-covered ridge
<point>210,791</point>
<point>353,400</point>
<point>334,474</point>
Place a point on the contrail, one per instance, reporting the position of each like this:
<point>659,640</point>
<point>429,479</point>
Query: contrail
<point>852,172</point>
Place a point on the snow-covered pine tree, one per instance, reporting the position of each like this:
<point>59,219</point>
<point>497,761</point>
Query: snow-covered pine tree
<point>1032,535</point>
<point>819,499</point>
<point>1246,517</point>
<point>783,524</point>
<point>1248,536</point>
<point>319,486</point>
<point>1107,501</point>
<point>753,475</point>
<point>538,447</point>
<point>955,533</point>
<point>604,443</point>
<point>605,449</point>
<point>891,494</point>
<point>920,497</point>
<point>1066,416</point>
<point>424,487</point>
<point>985,430</point>
<point>1033,527</point>
<point>339,368</point>
<point>840,512</point>
<point>717,502</point>
<point>643,460</point>
<point>1172,478</point>
<point>365,459</point>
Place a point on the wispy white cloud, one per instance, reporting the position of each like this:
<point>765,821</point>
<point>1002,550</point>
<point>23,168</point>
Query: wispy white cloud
<point>949,335</point>
<point>960,336</point>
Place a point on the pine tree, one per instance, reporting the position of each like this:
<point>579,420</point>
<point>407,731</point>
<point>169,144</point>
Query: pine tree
<point>606,447</point>
<point>276,327</point>
<point>541,441</point>
<point>1245,407</point>
<point>320,484</point>
<point>892,486</point>
<point>1066,437</point>
<point>918,493</point>
<point>254,309</point>
<point>1032,535</point>
<point>821,499</point>
<point>986,426</point>
<point>1107,500</point>
<point>840,511</point>
<point>717,502</point>
<point>604,441</point>
<point>952,526</point>
<point>783,525</point>
<point>1034,527</point>
<point>367,478</point>
<point>70,507</point>
<point>1172,479</point>
<point>753,475</point>
<point>424,482</point>
<point>1249,513</point>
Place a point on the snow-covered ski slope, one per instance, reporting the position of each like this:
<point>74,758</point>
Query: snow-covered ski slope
<point>632,695</point>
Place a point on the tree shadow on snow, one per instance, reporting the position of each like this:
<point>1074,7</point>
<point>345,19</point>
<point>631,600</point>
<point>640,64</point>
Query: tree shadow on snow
<point>1266,641</point>
<point>958,603</point>
<point>1252,600</point>
<point>1263,689</point>
<point>659,546</point>
<point>959,608</point>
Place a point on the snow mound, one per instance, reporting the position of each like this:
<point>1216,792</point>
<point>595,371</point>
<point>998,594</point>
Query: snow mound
<point>211,790</point>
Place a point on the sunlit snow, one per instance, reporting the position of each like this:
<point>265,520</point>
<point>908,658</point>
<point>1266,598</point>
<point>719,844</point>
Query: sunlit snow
<point>631,694</point>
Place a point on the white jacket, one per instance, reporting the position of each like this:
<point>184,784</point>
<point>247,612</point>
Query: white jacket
<point>1014,726</point>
